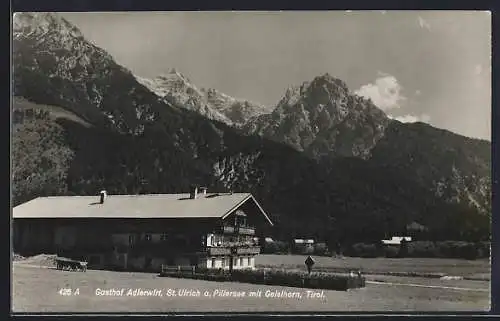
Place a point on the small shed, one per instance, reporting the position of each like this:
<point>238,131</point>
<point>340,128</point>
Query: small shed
<point>396,240</point>
<point>303,246</point>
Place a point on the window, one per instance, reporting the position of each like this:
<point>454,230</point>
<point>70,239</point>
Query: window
<point>241,261</point>
<point>163,237</point>
<point>235,261</point>
<point>147,237</point>
<point>213,262</point>
<point>210,240</point>
<point>217,240</point>
<point>131,239</point>
<point>249,260</point>
<point>223,262</point>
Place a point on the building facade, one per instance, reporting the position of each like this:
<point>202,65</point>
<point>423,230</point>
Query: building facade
<point>303,246</point>
<point>142,232</point>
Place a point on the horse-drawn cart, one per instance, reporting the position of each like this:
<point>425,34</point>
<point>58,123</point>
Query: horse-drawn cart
<point>70,264</point>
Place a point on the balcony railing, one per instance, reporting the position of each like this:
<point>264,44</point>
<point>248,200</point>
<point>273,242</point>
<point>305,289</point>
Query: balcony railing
<point>227,249</point>
<point>245,230</point>
<point>228,229</point>
<point>219,250</point>
<point>248,250</point>
<point>238,244</point>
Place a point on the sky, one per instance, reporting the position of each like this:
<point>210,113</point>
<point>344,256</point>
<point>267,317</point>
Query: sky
<point>430,66</point>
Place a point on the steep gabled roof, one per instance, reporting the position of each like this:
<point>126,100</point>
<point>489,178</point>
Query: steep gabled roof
<point>135,206</point>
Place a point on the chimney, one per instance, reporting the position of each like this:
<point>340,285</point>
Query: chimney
<point>194,193</point>
<point>203,191</point>
<point>103,196</point>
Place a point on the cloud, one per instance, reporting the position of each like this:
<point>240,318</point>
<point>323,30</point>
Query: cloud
<point>385,92</point>
<point>423,23</point>
<point>411,118</point>
<point>418,92</point>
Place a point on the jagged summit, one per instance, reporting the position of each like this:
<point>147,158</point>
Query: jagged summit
<point>178,90</point>
<point>323,88</point>
<point>331,82</point>
<point>320,117</point>
<point>173,74</point>
<point>41,23</point>
<point>77,75</point>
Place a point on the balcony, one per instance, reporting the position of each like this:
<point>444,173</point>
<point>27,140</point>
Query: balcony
<point>248,250</point>
<point>228,229</point>
<point>246,230</point>
<point>218,251</point>
<point>233,248</point>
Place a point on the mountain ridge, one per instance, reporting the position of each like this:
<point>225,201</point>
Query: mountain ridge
<point>177,89</point>
<point>137,136</point>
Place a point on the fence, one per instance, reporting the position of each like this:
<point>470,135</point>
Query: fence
<point>178,268</point>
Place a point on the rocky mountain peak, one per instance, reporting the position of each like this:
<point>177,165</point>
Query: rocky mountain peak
<point>330,83</point>
<point>323,90</point>
<point>173,74</point>
<point>42,23</point>
<point>175,80</point>
<point>77,75</point>
<point>323,118</point>
<point>177,89</point>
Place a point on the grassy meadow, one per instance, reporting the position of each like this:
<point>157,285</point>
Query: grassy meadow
<point>37,289</point>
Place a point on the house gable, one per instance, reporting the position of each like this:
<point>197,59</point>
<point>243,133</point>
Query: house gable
<point>251,210</point>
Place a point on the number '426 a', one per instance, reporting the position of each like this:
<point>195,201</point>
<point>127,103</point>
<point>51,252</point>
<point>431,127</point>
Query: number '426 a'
<point>67,291</point>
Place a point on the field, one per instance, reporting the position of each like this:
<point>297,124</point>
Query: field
<point>36,289</point>
<point>474,269</point>
<point>55,111</point>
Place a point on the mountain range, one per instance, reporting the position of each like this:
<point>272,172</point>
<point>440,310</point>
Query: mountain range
<point>324,162</point>
<point>175,88</point>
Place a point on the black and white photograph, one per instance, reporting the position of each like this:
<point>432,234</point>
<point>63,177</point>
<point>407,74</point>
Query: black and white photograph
<point>251,162</point>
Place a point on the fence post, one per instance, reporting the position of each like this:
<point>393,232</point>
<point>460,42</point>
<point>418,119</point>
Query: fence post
<point>193,269</point>
<point>179,268</point>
